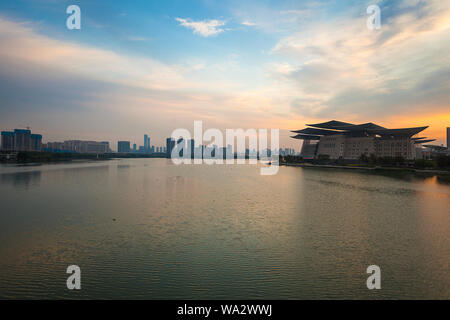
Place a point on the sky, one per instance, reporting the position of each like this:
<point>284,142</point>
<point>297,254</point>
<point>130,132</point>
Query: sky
<point>149,67</point>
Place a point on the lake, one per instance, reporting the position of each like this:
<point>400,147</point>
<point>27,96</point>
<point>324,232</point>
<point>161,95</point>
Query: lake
<point>147,229</point>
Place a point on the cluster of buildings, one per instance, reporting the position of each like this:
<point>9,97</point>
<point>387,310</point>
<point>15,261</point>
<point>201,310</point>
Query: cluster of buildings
<point>343,140</point>
<point>287,152</point>
<point>23,140</point>
<point>20,140</point>
<point>216,152</point>
<point>199,151</point>
<point>147,148</point>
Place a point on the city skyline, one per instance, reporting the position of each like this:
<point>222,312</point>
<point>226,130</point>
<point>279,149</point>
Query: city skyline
<point>232,65</point>
<point>18,140</point>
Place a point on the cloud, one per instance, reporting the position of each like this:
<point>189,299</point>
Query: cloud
<point>248,23</point>
<point>205,28</point>
<point>23,44</point>
<point>67,90</point>
<point>340,68</point>
<point>430,93</point>
<point>139,39</point>
<point>274,17</point>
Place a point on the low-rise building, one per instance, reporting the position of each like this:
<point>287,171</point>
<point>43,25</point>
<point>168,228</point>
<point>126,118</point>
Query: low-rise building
<point>78,146</point>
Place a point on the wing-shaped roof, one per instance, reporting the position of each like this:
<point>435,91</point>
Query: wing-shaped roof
<point>339,125</point>
<point>423,141</point>
<point>437,148</point>
<point>315,131</point>
<point>403,131</point>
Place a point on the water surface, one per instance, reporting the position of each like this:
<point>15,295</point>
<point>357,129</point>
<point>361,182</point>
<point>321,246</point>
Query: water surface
<point>147,229</point>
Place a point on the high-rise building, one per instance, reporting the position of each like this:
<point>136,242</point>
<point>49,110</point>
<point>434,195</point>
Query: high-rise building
<point>170,144</point>
<point>123,146</point>
<point>36,142</point>
<point>448,138</point>
<point>134,147</point>
<point>147,148</point>
<point>22,140</point>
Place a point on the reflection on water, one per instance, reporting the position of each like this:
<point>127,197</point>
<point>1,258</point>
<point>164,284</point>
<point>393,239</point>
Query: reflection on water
<point>145,228</point>
<point>21,179</point>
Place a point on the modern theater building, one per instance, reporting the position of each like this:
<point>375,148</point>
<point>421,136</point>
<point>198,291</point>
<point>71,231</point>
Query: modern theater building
<point>342,140</point>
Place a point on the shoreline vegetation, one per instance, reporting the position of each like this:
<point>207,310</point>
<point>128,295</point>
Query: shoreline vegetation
<point>439,166</point>
<point>49,157</point>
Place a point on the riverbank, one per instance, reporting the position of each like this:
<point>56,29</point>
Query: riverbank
<point>368,168</point>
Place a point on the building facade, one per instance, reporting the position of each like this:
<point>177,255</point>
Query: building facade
<point>342,140</point>
<point>78,146</point>
<point>7,141</point>
<point>123,146</point>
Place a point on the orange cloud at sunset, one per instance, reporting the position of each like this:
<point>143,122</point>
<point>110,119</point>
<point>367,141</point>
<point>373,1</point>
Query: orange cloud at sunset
<point>438,123</point>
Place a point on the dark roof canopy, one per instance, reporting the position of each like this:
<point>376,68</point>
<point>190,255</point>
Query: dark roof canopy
<point>435,147</point>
